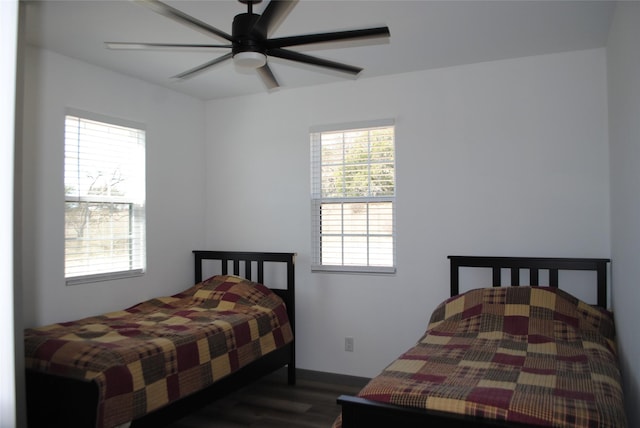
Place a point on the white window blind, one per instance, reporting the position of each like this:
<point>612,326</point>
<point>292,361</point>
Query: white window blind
<point>104,199</point>
<point>353,197</point>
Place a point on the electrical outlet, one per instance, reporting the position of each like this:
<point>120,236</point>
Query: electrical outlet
<point>348,344</point>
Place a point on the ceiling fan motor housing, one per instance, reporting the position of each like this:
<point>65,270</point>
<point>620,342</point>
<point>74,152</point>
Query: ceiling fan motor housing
<point>247,36</point>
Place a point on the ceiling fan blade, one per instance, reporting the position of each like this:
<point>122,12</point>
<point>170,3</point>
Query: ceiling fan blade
<point>267,77</point>
<point>283,42</point>
<point>307,59</point>
<point>159,46</point>
<point>199,69</point>
<point>177,15</point>
<point>275,12</point>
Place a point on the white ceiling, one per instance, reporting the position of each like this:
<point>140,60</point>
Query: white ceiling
<point>424,35</point>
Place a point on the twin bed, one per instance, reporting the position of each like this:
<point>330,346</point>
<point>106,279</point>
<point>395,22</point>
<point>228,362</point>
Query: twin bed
<point>519,356</point>
<point>157,360</point>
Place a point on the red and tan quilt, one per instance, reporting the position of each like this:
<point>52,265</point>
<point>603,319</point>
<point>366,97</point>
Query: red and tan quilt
<point>532,355</point>
<point>158,351</point>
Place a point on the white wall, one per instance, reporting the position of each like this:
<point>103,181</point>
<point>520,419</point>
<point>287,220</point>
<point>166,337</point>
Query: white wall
<point>9,402</point>
<point>497,158</point>
<point>175,219</point>
<point>624,136</point>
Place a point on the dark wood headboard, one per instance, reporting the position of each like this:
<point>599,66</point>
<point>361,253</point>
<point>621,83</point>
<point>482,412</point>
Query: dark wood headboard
<point>534,265</point>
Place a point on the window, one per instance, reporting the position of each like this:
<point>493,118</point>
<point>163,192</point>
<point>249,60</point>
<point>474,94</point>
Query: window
<point>353,198</point>
<point>104,180</point>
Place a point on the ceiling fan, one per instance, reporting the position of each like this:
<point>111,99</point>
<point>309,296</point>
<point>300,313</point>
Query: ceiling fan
<point>249,42</point>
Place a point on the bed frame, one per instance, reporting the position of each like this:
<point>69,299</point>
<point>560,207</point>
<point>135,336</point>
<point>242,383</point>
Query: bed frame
<point>359,412</point>
<point>57,401</point>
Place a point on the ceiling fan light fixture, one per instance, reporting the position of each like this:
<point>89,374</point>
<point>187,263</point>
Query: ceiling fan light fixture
<point>250,59</point>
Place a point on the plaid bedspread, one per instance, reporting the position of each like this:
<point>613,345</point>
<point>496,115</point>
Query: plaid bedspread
<point>151,354</point>
<point>532,355</point>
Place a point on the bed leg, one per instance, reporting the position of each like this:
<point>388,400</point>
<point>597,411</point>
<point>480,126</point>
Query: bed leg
<point>291,374</point>
<point>291,365</point>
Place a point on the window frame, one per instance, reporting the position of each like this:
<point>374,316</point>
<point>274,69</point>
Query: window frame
<point>317,200</point>
<point>137,207</point>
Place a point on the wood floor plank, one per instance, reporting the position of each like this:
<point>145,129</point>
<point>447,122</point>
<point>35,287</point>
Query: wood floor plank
<point>272,403</point>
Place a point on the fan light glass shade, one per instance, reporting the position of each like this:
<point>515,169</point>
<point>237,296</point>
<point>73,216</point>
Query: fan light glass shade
<point>250,59</point>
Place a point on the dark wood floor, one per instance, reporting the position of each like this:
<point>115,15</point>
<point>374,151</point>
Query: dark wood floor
<point>272,403</point>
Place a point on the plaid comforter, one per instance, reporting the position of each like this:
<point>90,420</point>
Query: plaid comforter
<point>532,355</point>
<point>151,354</point>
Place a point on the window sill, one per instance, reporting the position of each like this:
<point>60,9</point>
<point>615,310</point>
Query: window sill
<point>354,269</point>
<point>86,279</point>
